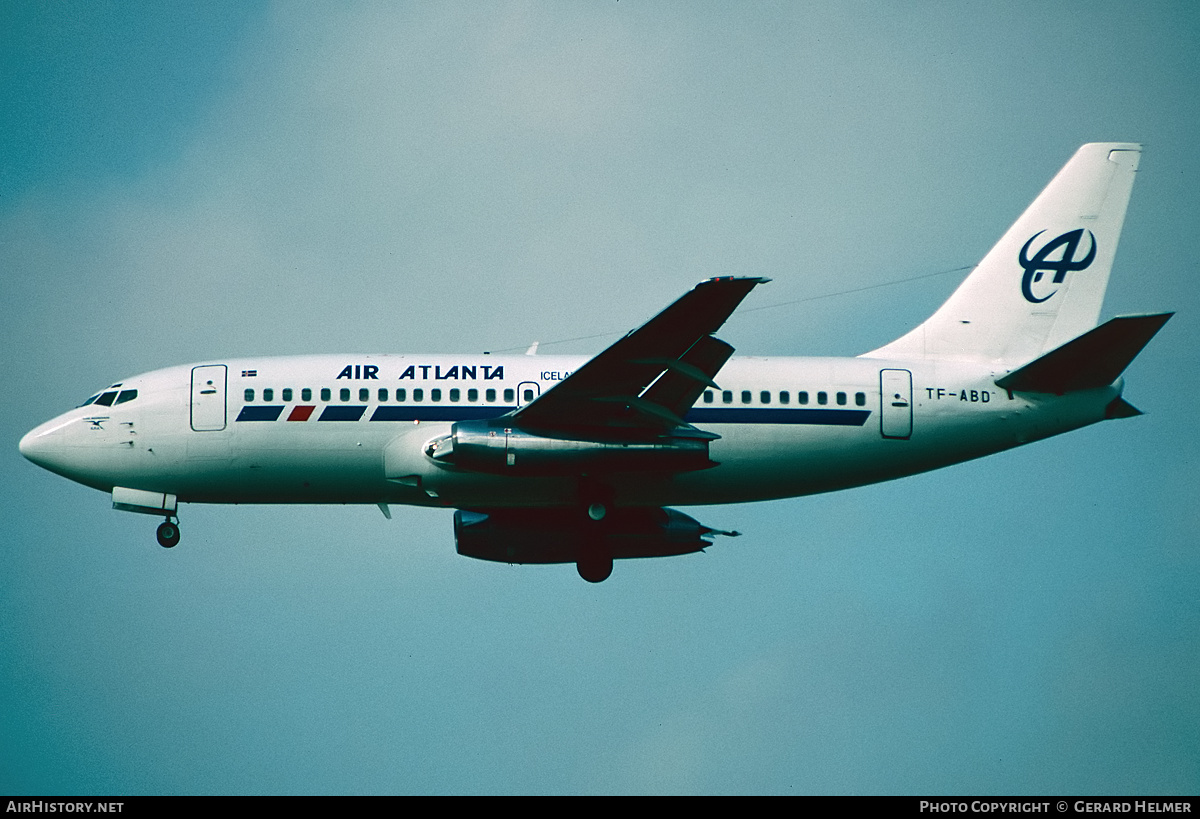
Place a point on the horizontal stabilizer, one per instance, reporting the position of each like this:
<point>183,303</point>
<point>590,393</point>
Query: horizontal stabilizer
<point>1095,359</point>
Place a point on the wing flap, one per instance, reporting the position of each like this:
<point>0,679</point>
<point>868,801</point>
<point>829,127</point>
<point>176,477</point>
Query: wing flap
<point>683,381</point>
<point>645,382</point>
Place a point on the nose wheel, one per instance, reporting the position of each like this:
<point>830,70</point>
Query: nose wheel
<point>168,534</point>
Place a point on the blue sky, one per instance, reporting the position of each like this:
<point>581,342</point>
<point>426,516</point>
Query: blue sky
<point>186,184</point>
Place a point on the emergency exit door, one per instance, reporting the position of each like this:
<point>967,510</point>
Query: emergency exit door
<point>527,391</point>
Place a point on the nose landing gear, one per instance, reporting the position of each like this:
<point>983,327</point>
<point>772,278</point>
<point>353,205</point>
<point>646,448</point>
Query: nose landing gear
<point>168,534</point>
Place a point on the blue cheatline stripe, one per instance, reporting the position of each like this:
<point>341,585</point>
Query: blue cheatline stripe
<point>747,415</point>
<point>723,415</point>
<point>342,413</point>
<point>259,413</point>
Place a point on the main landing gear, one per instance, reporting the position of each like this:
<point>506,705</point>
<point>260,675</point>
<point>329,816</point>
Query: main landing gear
<point>168,534</point>
<point>595,561</point>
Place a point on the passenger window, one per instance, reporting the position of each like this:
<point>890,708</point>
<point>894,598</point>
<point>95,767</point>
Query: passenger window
<point>841,399</point>
<point>249,396</point>
<point>401,394</point>
<point>326,395</point>
<point>822,398</point>
<point>509,396</point>
<point>784,397</point>
<point>472,395</point>
<point>726,396</point>
<point>745,396</point>
<point>435,395</point>
<point>708,396</point>
<point>528,396</point>
<point>383,394</point>
<point>765,397</point>
<point>268,394</point>
<point>454,394</point>
<point>126,395</point>
<point>344,393</point>
<point>489,396</point>
<point>306,394</point>
<point>364,394</point>
<point>860,398</point>
<point>418,395</point>
<point>802,397</point>
<point>287,393</point>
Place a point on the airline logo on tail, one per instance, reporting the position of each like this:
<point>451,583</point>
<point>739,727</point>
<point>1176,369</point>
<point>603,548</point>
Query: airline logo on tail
<point>1039,264</point>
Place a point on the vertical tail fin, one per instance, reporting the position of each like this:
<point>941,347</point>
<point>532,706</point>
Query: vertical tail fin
<point>1044,281</point>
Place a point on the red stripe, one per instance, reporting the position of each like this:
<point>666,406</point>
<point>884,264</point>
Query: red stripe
<point>300,413</point>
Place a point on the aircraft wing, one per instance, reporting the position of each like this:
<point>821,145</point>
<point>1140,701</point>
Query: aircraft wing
<point>643,384</point>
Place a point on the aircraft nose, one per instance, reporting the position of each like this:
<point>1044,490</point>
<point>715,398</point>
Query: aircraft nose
<point>33,446</point>
<point>59,447</point>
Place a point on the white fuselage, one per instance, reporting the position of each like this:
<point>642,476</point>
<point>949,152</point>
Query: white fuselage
<point>354,429</point>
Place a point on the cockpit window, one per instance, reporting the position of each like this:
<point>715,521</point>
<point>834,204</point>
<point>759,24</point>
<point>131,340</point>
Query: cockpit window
<point>111,396</point>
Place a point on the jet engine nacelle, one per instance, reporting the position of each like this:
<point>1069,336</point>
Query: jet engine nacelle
<point>482,446</point>
<point>562,535</point>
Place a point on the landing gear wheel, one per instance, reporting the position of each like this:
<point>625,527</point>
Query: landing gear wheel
<point>168,534</point>
<point>595,562</point>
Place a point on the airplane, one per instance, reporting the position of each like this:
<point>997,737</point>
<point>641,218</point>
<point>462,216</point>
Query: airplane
<point>557,459</point>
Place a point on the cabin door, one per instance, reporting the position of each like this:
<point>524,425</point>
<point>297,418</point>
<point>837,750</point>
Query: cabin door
<point>895,399</point>
<point>208,398</point>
